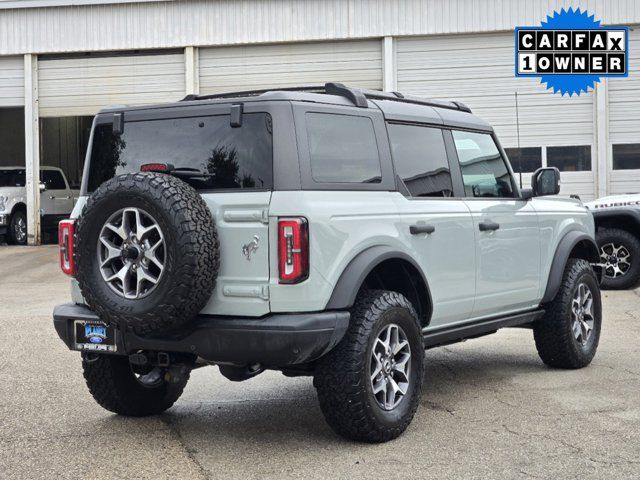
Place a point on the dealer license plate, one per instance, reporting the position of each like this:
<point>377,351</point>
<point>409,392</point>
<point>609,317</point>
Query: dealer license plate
<point>96,336</point>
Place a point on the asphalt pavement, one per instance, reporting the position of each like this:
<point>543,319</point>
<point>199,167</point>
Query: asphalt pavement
<point>490,409</point>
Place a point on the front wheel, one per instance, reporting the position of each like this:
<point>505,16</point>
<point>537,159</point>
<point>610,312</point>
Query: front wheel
<point>620,256</point>
<point>18,228</point>
<point>567,336</point>
<point>369,386</point>
<point>118,388</point>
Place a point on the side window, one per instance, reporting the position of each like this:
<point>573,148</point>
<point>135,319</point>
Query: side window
<point>484,171</point>
<point>420,158</point>
<point>570,159</point>
<point>53,180</point>
<point>525,160</point>
<point>342,149</point>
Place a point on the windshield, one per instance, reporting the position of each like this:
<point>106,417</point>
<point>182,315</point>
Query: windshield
<point>220,156</point>
<point>12,178</point>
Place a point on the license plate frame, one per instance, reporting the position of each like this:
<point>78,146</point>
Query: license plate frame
<point>95,336</point>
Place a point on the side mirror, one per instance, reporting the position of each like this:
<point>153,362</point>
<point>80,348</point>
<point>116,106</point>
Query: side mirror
<point>43,187</point>
<point>546,181</point>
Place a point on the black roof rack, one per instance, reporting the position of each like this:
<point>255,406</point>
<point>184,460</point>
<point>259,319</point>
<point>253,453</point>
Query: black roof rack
<point>253,93</point>
<point>357,96</point>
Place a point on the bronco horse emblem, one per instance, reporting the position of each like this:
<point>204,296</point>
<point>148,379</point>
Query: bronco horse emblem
<point>251,247</point>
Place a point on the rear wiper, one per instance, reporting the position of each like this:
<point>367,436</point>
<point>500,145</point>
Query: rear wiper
<point>186,172</point>
<point>169,169</point>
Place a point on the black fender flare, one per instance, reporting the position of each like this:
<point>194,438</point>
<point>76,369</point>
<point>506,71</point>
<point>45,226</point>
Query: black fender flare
<point>561,257</point>
<point>348,285</point>
<point>629,213</point>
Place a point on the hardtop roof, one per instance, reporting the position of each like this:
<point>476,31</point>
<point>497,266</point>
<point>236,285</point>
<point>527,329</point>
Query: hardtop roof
<point>394,106</point>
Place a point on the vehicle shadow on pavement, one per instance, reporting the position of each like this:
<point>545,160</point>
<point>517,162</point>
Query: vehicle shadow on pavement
<point>285,411</point>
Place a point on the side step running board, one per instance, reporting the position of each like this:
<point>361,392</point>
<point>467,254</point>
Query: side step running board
<point>446,335</point>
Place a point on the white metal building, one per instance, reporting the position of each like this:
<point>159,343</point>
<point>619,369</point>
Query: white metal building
<point>62,60</point>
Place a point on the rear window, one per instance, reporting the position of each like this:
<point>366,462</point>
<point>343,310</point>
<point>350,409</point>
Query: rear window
<point>221,157</point>
<point>342,149</point>
<point>12,178</point>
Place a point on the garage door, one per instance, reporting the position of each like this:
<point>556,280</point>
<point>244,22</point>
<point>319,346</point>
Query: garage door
<point>227,69</point>
<point>624,124</point>
<point>11,81</point>
<point>479,71</point>
<point>82,86</point>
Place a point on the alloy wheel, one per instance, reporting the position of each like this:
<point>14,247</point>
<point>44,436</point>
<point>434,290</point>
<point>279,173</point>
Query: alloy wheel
<point>616,259</point>
<point>390,367</point>
<point>20,230</point>
<point>131,253</point>
<point>582,319</point>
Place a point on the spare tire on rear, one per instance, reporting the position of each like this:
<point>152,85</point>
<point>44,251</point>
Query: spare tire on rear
<point>147,253</point>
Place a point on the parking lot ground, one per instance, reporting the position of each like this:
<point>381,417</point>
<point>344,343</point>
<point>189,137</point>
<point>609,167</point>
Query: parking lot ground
<point>490,409</point>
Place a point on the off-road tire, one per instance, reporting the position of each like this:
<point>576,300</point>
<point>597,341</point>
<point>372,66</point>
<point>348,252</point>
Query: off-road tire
<point>342,378</point>
<point>553,335</point>
<point>631,278</point>
<point>192,255</point>
<point>11,233</point>
<point>114,386</point>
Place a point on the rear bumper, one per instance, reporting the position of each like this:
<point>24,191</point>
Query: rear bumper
<point>275,340</point>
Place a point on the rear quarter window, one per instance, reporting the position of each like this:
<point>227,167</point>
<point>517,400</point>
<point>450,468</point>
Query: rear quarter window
<point>222,156</point>
<point>342,149</point>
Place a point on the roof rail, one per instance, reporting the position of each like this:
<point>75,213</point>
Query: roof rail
<point>357,96</point>
<point>252,93</point>
<point>399,97</point>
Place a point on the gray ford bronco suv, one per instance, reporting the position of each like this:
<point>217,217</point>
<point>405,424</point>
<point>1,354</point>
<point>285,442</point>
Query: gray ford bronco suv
<point>330,232</point>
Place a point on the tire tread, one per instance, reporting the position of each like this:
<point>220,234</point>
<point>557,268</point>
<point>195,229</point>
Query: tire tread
<point>553,337</point>
<point>339,377</point>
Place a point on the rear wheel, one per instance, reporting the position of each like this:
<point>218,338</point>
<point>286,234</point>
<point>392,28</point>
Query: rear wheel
<point>568,334</point>
<point>620,255</point>
<point>369,386</point>
<point>118,388</point>
<point>18,228</point>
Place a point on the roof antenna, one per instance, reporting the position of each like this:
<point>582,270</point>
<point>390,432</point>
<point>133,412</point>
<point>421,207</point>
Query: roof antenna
<point>518,136</point>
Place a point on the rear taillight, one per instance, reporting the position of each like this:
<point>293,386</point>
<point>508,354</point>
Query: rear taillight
<point>293,250</point>
<point>66,232</point>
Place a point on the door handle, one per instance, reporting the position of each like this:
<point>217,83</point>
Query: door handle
<point>488,226</point>
<point>422,228</point>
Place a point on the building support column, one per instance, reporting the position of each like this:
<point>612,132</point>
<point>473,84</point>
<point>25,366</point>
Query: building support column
<point>389,80</point>
<point>601,123</point>
<point>32,147</point>
<point>192,71</point>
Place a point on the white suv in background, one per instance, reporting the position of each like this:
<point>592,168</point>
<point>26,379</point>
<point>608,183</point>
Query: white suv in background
<point>56,201</point>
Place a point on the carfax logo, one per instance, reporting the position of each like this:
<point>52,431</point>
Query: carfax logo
<point>571,51</point>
